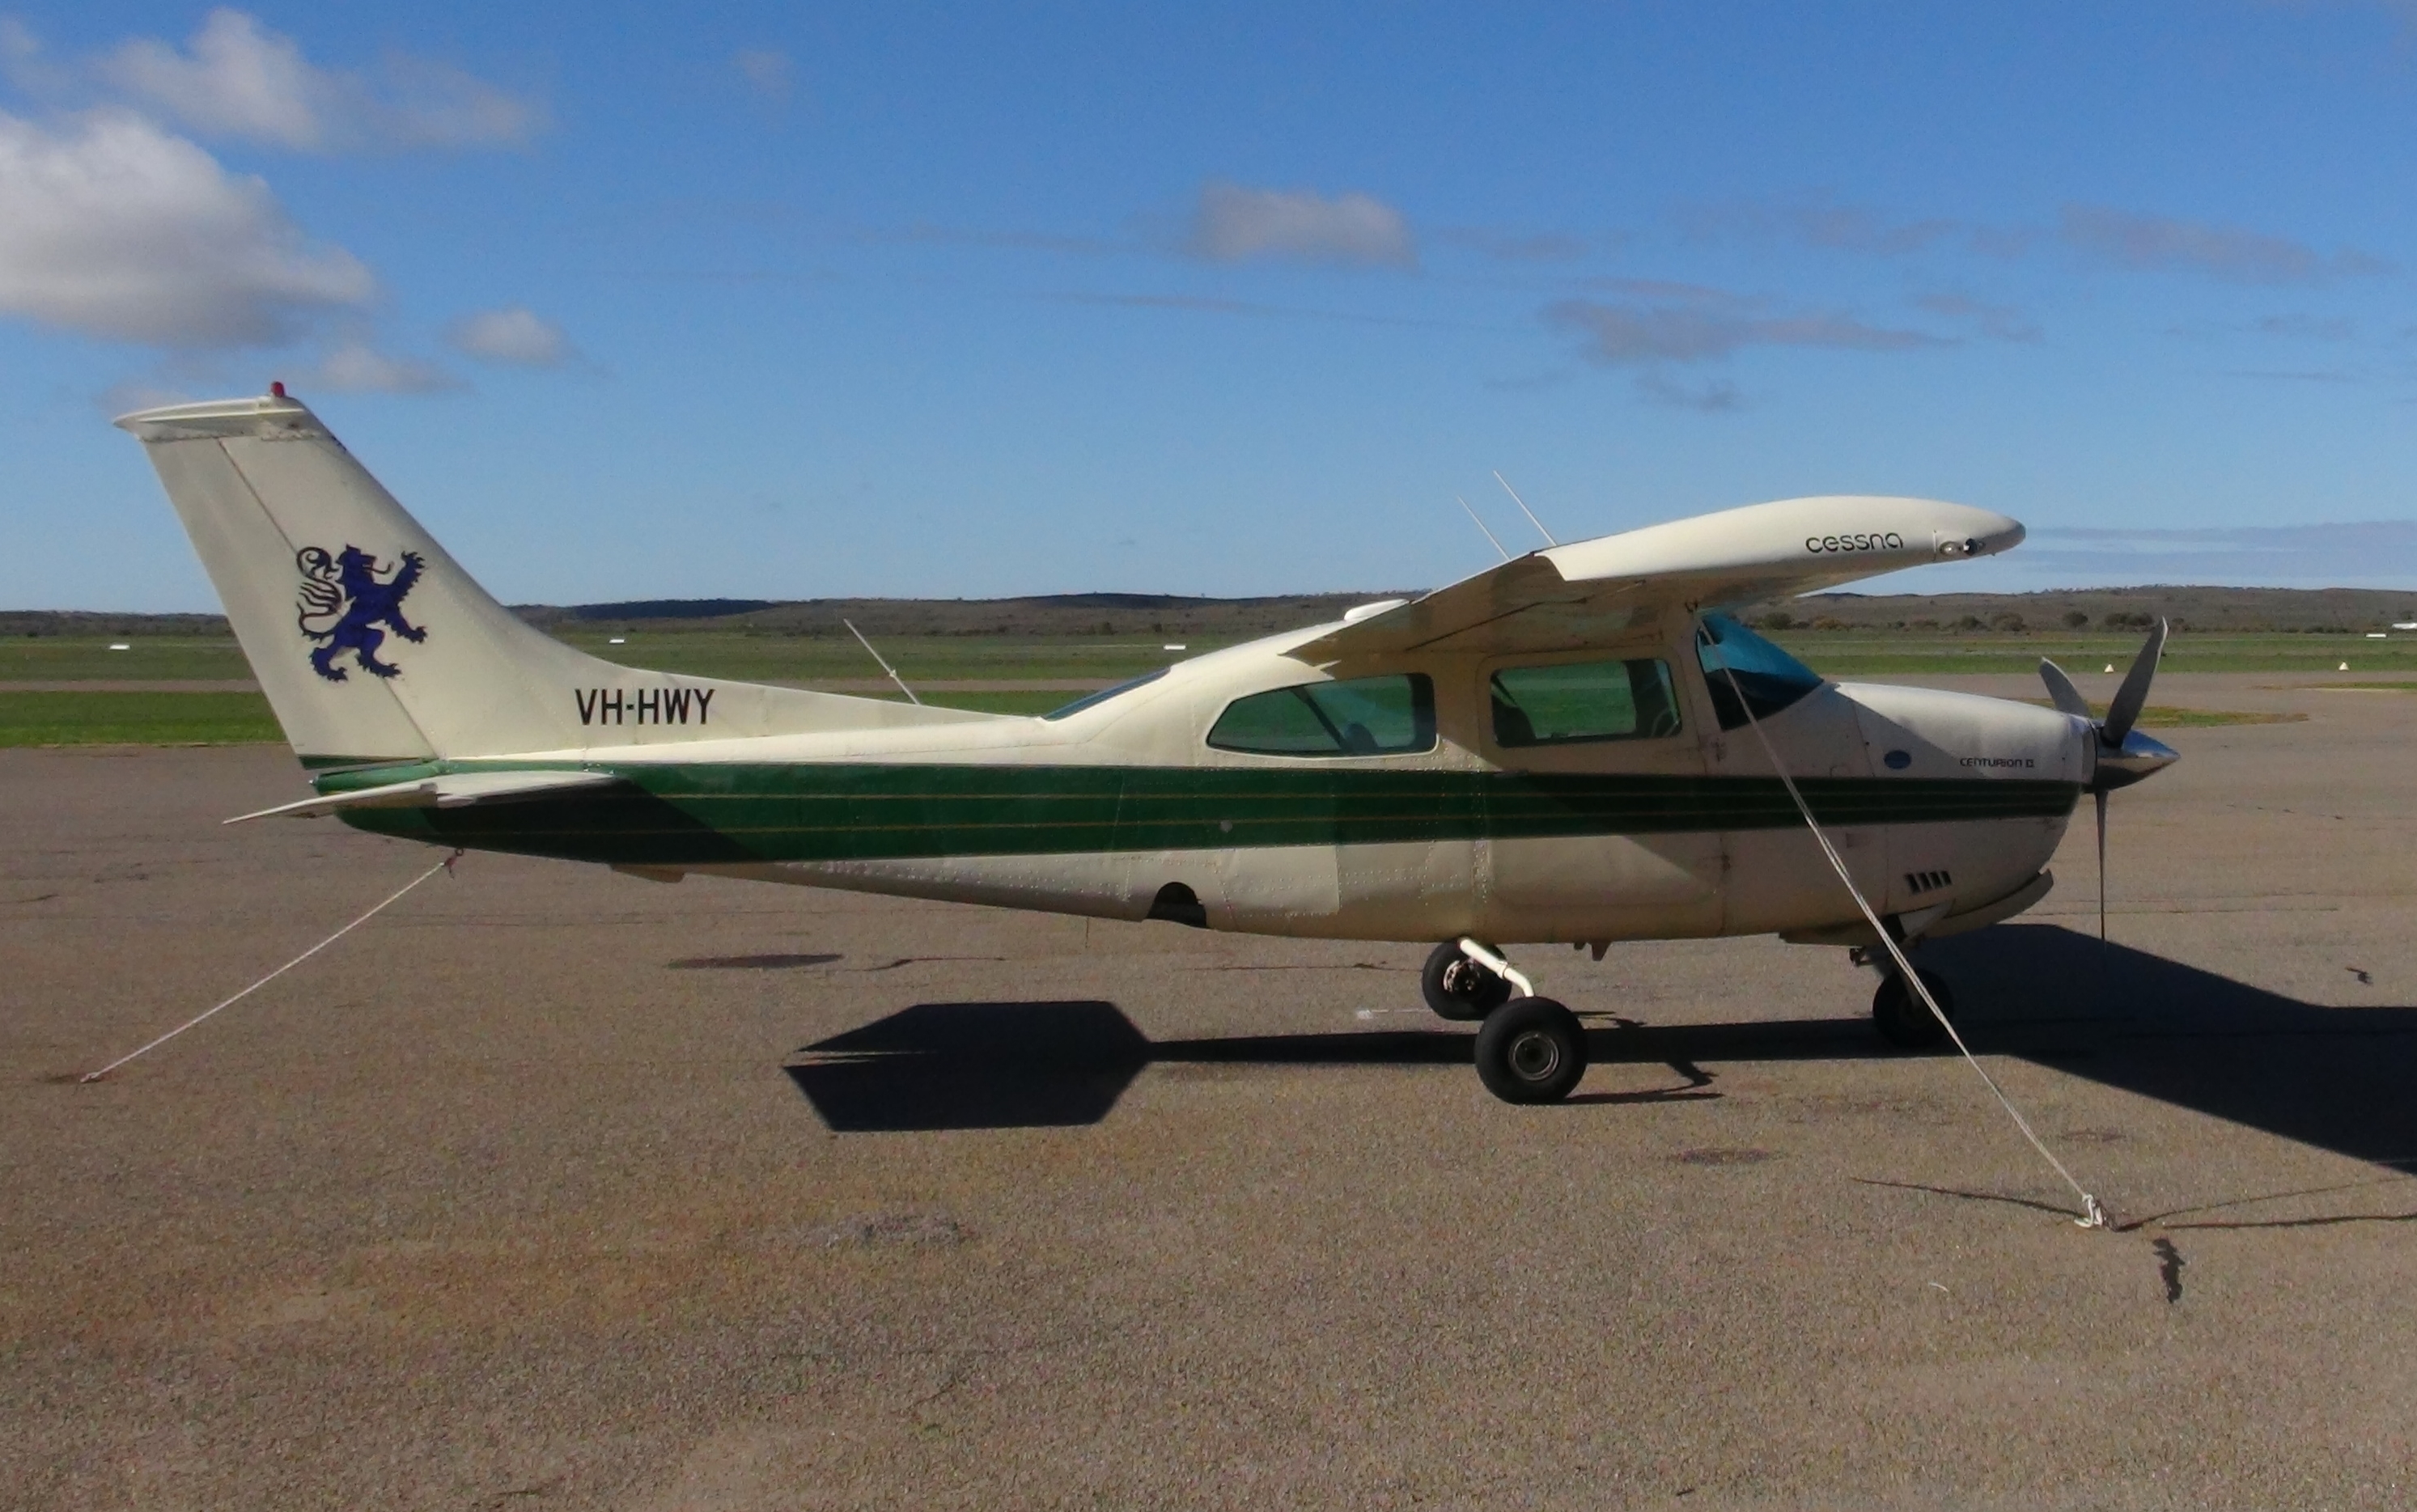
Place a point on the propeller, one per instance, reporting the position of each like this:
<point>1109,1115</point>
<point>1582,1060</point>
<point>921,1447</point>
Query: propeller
<point>2124,756</point>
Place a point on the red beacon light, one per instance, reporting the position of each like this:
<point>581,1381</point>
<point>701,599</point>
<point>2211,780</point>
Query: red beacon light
<point>277,389</point>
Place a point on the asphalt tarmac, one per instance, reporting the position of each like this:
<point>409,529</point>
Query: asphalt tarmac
<point>553,1188</point>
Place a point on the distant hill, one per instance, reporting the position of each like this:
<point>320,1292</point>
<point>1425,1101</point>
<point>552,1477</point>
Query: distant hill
<point>2241,610</point>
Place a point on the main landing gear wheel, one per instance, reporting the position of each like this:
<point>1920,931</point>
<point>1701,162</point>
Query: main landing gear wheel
<point>1902,1018</point>
<point>1531,1050</point>
<point>1459,988</point>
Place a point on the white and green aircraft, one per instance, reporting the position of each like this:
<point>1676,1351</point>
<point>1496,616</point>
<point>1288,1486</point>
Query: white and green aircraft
<point>1567,749</point>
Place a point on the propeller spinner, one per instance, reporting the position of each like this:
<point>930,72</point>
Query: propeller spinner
<point>2125,755</point>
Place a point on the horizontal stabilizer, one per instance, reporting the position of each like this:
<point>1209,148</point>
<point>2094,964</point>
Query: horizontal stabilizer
<point>460,789</point>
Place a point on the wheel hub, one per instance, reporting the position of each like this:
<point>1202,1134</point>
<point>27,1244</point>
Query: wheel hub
<point>1535,1056</point>
<point>1464,980</point>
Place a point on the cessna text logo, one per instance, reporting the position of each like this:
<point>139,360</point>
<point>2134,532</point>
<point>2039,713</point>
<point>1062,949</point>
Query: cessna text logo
<point>644,705</point>
<point>1881,541</point>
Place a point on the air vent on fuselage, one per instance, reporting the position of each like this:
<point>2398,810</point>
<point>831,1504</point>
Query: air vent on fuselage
<point>1926,881</point>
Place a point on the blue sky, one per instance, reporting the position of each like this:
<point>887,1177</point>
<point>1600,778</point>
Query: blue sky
<point>637,301</point>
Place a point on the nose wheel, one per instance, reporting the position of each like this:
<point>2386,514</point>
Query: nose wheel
<point>1901,1016</point>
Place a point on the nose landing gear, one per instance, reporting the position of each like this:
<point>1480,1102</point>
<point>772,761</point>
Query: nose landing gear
<point>1530,1048</point>
<point>1901,1016</point>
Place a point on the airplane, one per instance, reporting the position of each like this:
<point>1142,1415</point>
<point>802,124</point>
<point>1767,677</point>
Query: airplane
<point>1574,747</point>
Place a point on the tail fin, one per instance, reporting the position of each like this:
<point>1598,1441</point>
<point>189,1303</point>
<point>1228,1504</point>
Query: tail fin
<point>374,645</point>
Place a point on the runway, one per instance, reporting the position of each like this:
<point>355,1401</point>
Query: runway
<point>560,1188</point>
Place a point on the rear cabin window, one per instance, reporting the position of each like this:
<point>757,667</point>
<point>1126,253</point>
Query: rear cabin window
<point>1571,702</point>
<point>1363,717</point>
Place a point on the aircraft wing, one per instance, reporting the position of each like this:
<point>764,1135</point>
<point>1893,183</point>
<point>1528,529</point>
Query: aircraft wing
<point>458,789</point>
<point>1567,597</point>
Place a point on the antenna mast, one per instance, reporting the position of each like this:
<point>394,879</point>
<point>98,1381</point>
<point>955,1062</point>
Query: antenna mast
<point>1524,510</point>
<point>1481,524</point>
<point>884,666</point>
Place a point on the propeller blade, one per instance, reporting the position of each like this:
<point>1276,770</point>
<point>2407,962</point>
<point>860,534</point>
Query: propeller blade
<point>2101,797</point>
<point>2060,690</point>
<point>2135,691</point>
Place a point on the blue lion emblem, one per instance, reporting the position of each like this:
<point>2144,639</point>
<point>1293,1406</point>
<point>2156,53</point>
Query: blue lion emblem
<point>342,603</point>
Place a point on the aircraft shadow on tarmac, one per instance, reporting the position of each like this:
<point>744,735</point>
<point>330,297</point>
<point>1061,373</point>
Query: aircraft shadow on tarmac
<point>2334,1078</point>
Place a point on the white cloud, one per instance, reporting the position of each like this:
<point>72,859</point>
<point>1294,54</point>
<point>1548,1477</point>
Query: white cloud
<point>514,335</point>
<point>114,228</point>
<point>1819,221</point>
<point>2003,322</point>
<point>355,367</point>
<point>2158,242</point>
<point>1235,225</point>
<point>1700,330</point>
<point>1518,247</point>
<point>767,70</point>
<point>1716,396</point>
<point>240,79</point>
<point>21,58</point>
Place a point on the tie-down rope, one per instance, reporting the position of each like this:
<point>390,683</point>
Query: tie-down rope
<point>2092,1215</point>
<point>446,865</point>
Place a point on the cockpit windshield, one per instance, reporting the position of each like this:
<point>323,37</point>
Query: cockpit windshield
<point>1094,700</point>
<point>1769,679</point>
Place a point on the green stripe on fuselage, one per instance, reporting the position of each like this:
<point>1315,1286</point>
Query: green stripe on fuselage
<point>710,814</point>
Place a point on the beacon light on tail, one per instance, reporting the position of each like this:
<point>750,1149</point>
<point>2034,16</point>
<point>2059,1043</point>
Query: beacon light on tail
<point>1553,751</point>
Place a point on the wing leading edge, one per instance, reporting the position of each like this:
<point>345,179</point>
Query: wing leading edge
<point>1583,593</point>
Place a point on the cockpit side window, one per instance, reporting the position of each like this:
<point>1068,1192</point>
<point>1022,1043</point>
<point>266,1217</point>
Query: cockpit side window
<point>1570,701</point>
<point>1769,679</point>
<point>1391,716</point>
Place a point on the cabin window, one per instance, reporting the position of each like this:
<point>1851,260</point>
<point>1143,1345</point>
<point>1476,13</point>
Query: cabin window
<point>1769,679</point>
<point>1576,701</point>
<point>1361,716</point>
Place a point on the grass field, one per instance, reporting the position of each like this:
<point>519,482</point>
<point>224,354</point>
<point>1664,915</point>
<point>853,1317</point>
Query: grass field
<point>766,658</point>
<point>135,719</point>
<point>38,719</point>
<point>918,658</point>
<point>699,653</point>
<point>1911,653</point>
<point>83,658</point>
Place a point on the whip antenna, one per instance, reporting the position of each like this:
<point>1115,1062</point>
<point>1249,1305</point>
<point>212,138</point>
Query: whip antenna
<point>1481,524</point>
<point>1524,510</point>
<point>884,666</point>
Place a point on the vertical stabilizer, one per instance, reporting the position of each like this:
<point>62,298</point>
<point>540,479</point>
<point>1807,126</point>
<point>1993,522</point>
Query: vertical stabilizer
<point>370,642</point>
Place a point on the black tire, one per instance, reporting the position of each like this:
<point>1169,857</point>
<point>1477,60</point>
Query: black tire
<point>1901,1018</point>
<point>1531,1050</point>
<point>1457,988</point>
